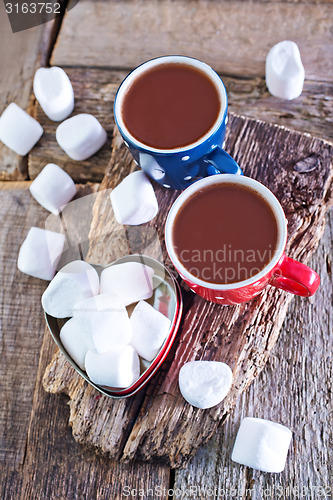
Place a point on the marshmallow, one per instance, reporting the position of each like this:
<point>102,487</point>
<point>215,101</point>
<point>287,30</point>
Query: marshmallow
<point>76,281</point>
<point>131,281</point>
<point>53,188</point>
<point>54,92</point>
<point>133,200</point>
<point>117,368</point>
<point>40,253</point>
<point>204,384</point>
<point>81,136</point>
<point>18,130</point>
<point>150,328</point>
<point>284,70</point>
<point>105,321</point>
<point>262,444</point>
<point>75,342</point>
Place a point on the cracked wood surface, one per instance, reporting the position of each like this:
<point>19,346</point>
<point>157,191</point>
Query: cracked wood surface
<point>296,386</point>
<point>158,423</point>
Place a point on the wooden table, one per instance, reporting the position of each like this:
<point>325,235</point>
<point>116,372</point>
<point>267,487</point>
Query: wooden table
<point>99,42</point>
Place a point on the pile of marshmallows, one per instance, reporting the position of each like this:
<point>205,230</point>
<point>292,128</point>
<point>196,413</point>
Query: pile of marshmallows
<point>80,136</point>
<point>101,336</point>
<point>112,355</point>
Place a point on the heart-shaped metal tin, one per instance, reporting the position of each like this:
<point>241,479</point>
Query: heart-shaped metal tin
<point>166,298</point>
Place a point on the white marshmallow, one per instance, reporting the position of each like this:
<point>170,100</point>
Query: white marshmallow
<point>54,92</point>
<point>81,136</point>
<point>75,342</point>
<point>204,384</point>
<point>76,281</point>
<point>117,368</point>
<point>262,444</point>
<point>18,130</point>
<point>133,200</point>
<point>40,253</point>
<point>131,281</point>
<point>284,70</point>
<point>149,330</point>
<point>53,188</point>
<point>104,320</point>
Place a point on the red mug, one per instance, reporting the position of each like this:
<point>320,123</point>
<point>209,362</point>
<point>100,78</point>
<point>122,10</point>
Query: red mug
<point>281,271</point>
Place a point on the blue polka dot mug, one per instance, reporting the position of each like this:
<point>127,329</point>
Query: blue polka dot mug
<point>179,167</point>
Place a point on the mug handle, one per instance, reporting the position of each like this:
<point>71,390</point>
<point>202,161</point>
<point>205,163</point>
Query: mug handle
<point>219,162</point>
<point>294,277</point>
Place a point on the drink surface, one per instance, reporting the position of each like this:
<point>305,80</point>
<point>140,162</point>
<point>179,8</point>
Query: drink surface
<point>225,233</point>
<point>170,106</point>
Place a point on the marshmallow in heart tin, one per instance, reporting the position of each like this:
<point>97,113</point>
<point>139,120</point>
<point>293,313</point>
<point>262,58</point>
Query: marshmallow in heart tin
<point>166,299</point>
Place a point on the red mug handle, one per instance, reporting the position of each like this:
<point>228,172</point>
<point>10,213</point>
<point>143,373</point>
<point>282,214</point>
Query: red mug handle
<point>294,277</point>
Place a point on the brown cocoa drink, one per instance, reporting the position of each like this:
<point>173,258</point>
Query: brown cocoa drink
<point>225,233</point>
<point>170,106</point>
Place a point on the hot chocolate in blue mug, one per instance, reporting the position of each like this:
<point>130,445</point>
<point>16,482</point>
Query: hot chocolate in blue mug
<point>172,114</point>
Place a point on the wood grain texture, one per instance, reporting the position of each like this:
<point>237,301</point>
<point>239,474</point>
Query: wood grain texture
<point>20,55</point>
<point>312,112</point>
<point>295,389</point>
<point>233,37</point>
<point>21,334</point>
<point>157,423</point>
<point>95,90</point>
<point>22,324</point>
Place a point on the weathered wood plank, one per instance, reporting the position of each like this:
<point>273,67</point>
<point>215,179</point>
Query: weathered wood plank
<point>22,321</point>
<point>294,388</point>
<point>20,55</point>
<point>95,90</point>
<point>165,427</point>
<point>22,325</point>
<point>312,112</point>
<point>233,37</point>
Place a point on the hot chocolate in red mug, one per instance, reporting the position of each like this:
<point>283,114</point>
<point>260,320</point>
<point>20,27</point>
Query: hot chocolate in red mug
<point>226,236</point>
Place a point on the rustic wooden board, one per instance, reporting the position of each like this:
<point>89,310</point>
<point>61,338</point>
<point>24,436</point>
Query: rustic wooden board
<point>95,90</point>
<point>20,55</point>
<point>18,214</point>
<point>233,37</point>
<point>295,389</point>
<point>157,423</point>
